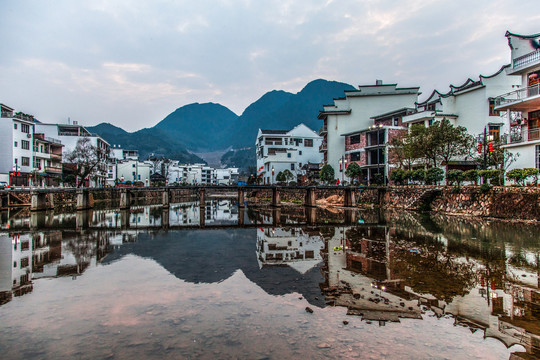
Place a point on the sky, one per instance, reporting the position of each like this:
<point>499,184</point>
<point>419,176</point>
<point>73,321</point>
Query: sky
<point>131,63</point>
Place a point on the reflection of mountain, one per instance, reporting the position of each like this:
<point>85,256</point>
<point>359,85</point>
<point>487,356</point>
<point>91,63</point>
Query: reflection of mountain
<point>209,256</point>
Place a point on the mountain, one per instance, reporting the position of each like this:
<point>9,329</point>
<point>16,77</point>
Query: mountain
<point>211,127</point>
<point>283,111</point>
<point>147,141</point>
<point>200,127</point>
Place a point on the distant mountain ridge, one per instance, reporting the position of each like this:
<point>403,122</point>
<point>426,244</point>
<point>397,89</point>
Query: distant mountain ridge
<point>209,127</point>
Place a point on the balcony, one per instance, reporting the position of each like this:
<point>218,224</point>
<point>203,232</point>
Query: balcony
<point>53,169</point>
<point>323,130</point>
<point>522,62</point>
<point>322,147</point>
<point>526,99</point>
<point>519,135</point>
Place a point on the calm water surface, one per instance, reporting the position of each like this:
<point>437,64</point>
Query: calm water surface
<point>285,284</point>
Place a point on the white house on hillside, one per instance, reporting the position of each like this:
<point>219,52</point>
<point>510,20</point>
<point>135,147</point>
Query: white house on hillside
<point>354,113</point>
<point>522,106</point>
<point>279,150</point>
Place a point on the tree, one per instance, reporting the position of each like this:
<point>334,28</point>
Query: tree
<point>454,176</point>
<point>353,171</point>
<point>407,148</point>
<point>450,142</point>
<point>288,175</point>
<point>434,175</point>
<point>327,173</point>
<point>85,157</point>
<point>517,175</point>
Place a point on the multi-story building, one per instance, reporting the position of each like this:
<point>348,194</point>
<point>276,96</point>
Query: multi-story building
<point>69,134</point>
<point>133,170</point>
<point>279,150</point>
<point>353,114</point>
<point>228,176</point>
<point>521,107</point>
<point>47,160</point>
<point>16,146</point>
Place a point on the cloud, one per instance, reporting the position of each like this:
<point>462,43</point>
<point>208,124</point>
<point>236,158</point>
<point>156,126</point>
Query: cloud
<point>139,60</point>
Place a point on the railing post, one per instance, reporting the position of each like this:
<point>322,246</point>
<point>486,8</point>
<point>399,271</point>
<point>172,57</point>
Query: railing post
<point>125,199</point>
<point>83,199</point>
<point>50,198</point>
<point>349,199</point>
<point>165,217</point>
<point>276,217</point>
<point>276,201</point>
<point>311,215</point>
<point>241,197</point>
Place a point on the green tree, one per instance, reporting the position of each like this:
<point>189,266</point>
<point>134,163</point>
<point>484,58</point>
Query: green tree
<point>517,175</point>
<point>454,177</point>
<point>532,172</point>
<point>471,175</point>
<point>327,173</point>
<point>450,142</point>
<point>353,171</point>
<point>280,177</point>
<point>398,176</point>
<point>434,175</point>
<point>288,175</point>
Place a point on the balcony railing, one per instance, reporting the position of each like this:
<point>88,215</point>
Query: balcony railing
<point>520,94</point>
<point>527,59</point>
<point>322,147</point>
<point>323,130</point>
<point>53,169</point>
<point>519,135</point>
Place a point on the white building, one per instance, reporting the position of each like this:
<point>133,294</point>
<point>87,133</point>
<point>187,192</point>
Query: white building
<point>227,176</point>
<point>16,146</point>
<point>69,134</point>
<point>133,170</point>
<point>471,105</point>
<point>280,150</point>
<point>191,174</point>
<point>522,106</point>
<point>122,154</point>
<point>354,113</point>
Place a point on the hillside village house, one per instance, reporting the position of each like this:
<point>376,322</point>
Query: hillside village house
<point>352,115</point>
<point>27,158</point>
<point>471,105</point>
<point>69,134</point>
<point>280,150</point>
<point>522,106</point>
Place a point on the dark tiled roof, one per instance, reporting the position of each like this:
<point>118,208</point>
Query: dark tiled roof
<point>274,132</point>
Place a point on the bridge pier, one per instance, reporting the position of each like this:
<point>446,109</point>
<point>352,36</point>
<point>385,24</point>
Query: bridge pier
<point>165,199</point>
<point>201,198</point>
<point>125,199</point>
<point>50,201</point>
<point>124,218</point>
<point>349,198</point>
<point>276,200</point>
<point>83,199</point>
<point>82,220</point>
<point>241,194</point>
<point>202,216</point>
<point>37,220</point>
<point>38,201</point>
<point>241,214</point>
<point>351,217</point>
<point>310,198</point>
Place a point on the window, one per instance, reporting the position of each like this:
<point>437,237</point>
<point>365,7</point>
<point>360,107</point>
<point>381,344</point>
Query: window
<point>15,126</point>
<point>430,122</point>
<point>355,156</point>
<point>292,166</point>
<point>25,128</point>
<point>494,130</point>
<point>289,155</point>
<point>395,121</point>
<point>538,156</point>
<point>25,145</point>
<point>355,139</point>
<point>308,143</point>
<point>25,161</point>
<point>299,153</point>
<point>430,107</point>
<point>14,144</point>
<point>492,111</point>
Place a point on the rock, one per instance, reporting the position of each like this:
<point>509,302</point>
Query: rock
<point>345,322</point>
<point>323,346</point>
<point>309,310</point>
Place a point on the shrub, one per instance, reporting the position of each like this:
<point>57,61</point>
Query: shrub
<point>419,175</point>
<point>471,175</point>
<point>434,175</point>
<point>485,188</point>
<point>408,175</point>
<point>517,175</point>
<point>327,173</point>
<point>532,172</point>
<point>454,177</point>
<point>398,176</point>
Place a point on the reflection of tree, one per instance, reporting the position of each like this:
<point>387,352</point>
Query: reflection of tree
<point>430,270</point>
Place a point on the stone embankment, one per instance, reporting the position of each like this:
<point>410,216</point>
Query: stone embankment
<point>518,203</point>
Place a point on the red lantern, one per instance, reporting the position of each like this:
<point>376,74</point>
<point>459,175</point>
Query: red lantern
<point>490,147</point>
<point>479,148</point>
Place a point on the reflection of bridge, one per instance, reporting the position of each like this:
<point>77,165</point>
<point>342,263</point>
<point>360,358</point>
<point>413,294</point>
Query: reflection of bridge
<point>167,218</point>
<point>43,199</point>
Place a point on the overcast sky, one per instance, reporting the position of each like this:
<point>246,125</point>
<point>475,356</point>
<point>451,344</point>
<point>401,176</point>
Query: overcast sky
<point>131,63</point>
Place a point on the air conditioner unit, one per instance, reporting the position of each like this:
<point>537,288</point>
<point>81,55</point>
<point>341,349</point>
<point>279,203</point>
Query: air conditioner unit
<point>29,135</point>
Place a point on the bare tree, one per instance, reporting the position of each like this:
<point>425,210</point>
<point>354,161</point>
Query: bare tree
<point>84,158</point>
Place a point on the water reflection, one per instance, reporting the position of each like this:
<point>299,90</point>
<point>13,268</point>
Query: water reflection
<point>383,267</point>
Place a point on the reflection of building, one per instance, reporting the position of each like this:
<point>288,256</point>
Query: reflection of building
<point>30,256</point>
<point>294,247</point>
